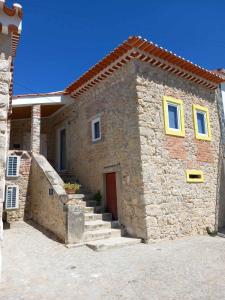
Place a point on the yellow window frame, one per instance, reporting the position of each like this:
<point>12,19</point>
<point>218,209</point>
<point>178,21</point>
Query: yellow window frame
<point>180,132</point>
<point>199,136</point>
<point>199,173</point>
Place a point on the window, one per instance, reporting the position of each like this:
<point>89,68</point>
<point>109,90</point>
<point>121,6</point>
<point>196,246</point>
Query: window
<point>11,199</point>
<point>173,116</point>
<point>194,176</point>
<point>96,130</point>
<point>13,166</point>
<point>201,123</point>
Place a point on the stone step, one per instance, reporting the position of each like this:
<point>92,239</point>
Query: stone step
<point>91,203</point>
<point>112,243</point>
<point>115,224</point>
<point>101,234</point>
<point>96,224</point>
<point>89,209</point>
<point>92,217</point>
<point>106,216</point>
<point>99,209</point>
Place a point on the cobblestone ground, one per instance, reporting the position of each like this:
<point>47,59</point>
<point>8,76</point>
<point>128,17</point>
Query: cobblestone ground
<point>37,267</point>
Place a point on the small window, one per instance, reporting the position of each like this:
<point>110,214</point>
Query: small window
<point>194,176</point>
<point>201,123</point>
<point>173,116</point>
<point>96,130</point>
<point>11,198</point>
<point>13,166</point>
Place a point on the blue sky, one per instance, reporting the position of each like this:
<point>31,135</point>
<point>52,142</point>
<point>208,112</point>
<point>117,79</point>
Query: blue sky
<point>63,39</point>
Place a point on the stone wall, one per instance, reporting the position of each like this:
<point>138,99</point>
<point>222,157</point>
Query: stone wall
<point>47,197</point>
<point>20,134</point>
<point>115,101</point>
<point>5,80</point>
<point>175,208</point>
<point>22,181</point>
<point>154,200</point>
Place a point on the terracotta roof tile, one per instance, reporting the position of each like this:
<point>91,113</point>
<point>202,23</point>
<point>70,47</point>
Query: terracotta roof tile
<point>137,47</point>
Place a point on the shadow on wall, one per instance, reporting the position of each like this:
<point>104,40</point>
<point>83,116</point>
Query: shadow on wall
<point>221,198</point>
<point>49,234</point>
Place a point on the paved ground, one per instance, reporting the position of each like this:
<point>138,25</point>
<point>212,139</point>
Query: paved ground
<point>36,267</point>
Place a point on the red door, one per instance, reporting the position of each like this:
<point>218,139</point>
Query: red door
<point>111,198</point>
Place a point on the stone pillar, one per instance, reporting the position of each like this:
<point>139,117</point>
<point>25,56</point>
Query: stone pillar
<point>5,80</point>
<point>10,29</point>
<point>36,128</point>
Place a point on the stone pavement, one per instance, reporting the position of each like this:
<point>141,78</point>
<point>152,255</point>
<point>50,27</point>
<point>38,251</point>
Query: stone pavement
<point>38,268</point>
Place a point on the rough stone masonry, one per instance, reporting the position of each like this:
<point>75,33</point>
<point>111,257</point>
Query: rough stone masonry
<point>5,79</point>
<point>10,29</point>
<point>154,199</point>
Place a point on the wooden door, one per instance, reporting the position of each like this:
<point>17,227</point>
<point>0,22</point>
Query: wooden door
<point>111,196</point>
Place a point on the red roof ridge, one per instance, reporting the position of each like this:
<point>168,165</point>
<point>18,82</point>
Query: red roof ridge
<point>136,47</point>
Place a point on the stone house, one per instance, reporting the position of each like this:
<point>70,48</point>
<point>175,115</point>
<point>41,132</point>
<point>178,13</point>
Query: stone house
<point>10,30</point>
<point>139,131</point>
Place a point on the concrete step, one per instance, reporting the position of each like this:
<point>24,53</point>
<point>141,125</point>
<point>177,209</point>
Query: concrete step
<point>89,209</point>
<point>106,216</point>
<point>91,203</point>
<point>112,243</point>
<point>115,224</point>
<point>99,209</point>
<point>96,224</point>
<point>92,217</point>
<point>101,234</point>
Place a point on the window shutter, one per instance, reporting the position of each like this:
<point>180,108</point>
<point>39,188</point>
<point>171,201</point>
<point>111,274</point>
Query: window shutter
<point>11,197</point>
<point>13,166</point>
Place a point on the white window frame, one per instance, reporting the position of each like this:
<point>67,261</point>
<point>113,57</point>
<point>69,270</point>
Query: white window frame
<point>17,197</point>
<point>93,122</point>
<point>178,116</point>
<point>17,168</point>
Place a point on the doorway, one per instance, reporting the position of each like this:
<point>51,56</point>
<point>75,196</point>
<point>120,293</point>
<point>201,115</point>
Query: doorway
<point>111,194</point>
<point>62,149</point>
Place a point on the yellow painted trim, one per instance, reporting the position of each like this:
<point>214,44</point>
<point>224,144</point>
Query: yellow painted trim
<point>204,137</point>
<point>181,131</point>
<point>194,172</point>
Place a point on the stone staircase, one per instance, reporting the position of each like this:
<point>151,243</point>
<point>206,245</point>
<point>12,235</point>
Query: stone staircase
<point>100,232</point>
